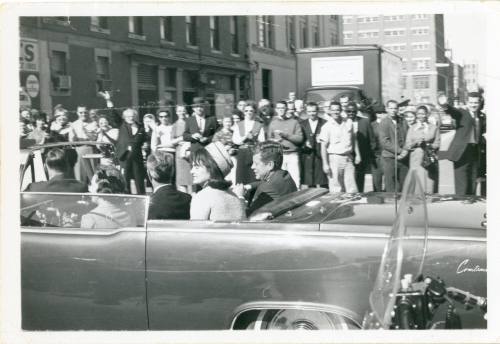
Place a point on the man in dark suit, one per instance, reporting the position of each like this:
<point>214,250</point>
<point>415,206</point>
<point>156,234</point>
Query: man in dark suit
<point>273,182</point>
<point>312,173</point>
<point>131,136</point>
<point>464,149</point>
<point>376,166</point>
<point>366,143</point>
<point>199,128</point>
<point>60,168</point>
<point>165,202</point>
<point>392,136</point>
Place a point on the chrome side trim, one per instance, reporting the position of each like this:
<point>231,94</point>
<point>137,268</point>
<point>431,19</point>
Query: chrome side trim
<point>308,306</point>
<point>101,232</point>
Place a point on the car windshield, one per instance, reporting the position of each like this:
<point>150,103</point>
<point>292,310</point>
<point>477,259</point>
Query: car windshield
<point>399,257</point>
<point>82,155</point>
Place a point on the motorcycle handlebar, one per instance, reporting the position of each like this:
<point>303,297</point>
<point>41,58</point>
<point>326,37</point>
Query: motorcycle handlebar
<point>466,298</point>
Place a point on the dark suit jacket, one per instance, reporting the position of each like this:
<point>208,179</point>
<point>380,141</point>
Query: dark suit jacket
<point>126,139</point>
<point>375,129</point>
<point>464,126</point>
<point>311,137</point>
<point>390,144</point>
<point>58,184</point>
<point>168,203</point>
<point>366,140</point>
<point>192,128</point>
<point>280,183</point>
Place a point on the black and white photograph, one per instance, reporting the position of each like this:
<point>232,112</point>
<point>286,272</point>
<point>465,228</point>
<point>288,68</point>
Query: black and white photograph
<point>250,170</point>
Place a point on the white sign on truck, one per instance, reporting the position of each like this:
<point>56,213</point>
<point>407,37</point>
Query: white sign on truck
<point>337,71</point>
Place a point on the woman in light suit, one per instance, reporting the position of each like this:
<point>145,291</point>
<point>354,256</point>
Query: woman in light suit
<point>422,136</point>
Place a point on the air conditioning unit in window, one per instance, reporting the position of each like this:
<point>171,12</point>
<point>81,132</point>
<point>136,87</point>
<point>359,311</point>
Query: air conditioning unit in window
<point>62,82</point>
<point>104,85</point>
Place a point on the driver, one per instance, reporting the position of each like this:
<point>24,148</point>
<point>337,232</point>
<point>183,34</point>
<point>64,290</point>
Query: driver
<point>60,168</point>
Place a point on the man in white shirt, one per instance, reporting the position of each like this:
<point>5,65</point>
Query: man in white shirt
<point>339,150</point>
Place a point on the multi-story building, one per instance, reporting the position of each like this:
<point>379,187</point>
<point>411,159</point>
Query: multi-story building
<point>417,38</point>
<point>273,40</point>
<point>471,75</point>
<point>145,61</point>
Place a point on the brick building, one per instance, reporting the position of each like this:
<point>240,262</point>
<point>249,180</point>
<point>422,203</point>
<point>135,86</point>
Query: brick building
<point>417,38</point>
<point>144,61</point>
<point>273,40</point>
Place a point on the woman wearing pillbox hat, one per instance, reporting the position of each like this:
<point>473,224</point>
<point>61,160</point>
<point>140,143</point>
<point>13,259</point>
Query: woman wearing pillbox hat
<point>215,201</point>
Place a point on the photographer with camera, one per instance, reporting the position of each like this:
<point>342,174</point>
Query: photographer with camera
<point>422,141</point>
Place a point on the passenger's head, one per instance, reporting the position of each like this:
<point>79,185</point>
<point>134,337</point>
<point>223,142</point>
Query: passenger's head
<point>267,157</point>
<point>107,179</point>
<point>57,161</point>
<point>211,165</point>
<point>160,166</point>
<point>227,122</point>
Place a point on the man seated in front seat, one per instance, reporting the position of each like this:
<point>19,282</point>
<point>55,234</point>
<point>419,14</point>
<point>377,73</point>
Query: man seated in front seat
<point>166,202</point>
<point>273,181</point>
<point>60,168</point>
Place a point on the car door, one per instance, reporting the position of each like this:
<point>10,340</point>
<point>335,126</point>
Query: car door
<point>77,278</point>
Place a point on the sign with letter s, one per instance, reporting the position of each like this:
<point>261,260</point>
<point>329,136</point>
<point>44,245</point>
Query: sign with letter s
<point>28,55</point>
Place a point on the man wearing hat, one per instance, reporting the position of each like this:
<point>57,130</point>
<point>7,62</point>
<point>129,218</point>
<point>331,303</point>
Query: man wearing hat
<point>199,128</point>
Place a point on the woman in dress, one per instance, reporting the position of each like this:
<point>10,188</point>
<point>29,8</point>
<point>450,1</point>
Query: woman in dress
<point>246,134</point>
<point>215,201</point>
<point>106,134</point>
<point>107,214</point>
<point>183,178</point>
<point>225,136</point>
<point>162,138</point>
<point>423,136</point>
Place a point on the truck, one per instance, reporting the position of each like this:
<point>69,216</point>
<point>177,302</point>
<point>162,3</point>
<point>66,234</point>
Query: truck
<point>368,73</point>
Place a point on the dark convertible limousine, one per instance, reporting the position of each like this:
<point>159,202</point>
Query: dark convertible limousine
<point>307,261</point>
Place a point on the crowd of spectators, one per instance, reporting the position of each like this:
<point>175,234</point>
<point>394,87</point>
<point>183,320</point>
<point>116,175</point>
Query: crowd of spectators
<point>226,168</point>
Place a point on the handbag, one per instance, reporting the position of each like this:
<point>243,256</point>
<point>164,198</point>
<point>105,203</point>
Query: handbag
<point>429,157</point>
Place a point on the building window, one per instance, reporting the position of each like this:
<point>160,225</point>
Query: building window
<point>191,37</point>
<point>394,18</point>
<point>420,31</point>
<point>170,77</point>
<point>103,77</point>
<point>372,19</point>
<point>347,34</point>
<point>368,34</point>
<point>215,33</point>
<point>420,45</point>
<point>421,82</point>
<point>419,16</point>
<point>265,27</point>
<point>290,24</point>
<point>315,28</point>
<point>135,25</point>
<point>61,81</point>
<point>233,29</point>
<point>396,47</point>
<point>99,24</point>
<point>267,84</point>
<point>394,32</point>
<point>421,64</point>
<point>303,32</point>
<point>166,29</point>
<point>347,19</point>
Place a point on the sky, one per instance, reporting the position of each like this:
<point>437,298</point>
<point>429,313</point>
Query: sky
<point>464,34</point>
